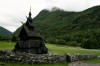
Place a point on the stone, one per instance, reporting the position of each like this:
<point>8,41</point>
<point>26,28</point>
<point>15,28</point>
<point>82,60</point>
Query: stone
<point>42,58</point>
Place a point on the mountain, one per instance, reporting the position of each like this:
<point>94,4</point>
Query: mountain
<point>71,28</point>
<point>4,32</point>
<point>59,23</point>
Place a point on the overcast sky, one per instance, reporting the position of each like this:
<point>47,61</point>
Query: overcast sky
<point>14,11</point>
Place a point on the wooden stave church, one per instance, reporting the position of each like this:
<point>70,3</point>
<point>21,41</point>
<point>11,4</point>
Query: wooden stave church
<point>30,41</point>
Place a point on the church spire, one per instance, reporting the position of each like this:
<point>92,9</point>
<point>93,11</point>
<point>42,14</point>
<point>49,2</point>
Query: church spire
<point>30,12</point>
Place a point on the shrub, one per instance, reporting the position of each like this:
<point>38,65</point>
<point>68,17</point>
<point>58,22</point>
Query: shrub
<point>90,43</point>
<point>61,41</point>
<point>51,40</point>
<point>72,43</point>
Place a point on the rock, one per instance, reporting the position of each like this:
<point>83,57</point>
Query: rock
<point>6,56</point>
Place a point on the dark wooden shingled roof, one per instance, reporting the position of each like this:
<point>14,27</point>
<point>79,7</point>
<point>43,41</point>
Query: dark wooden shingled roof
<point>31,33</point>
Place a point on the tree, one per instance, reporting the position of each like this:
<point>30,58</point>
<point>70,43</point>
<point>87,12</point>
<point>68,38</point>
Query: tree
<point>90,43</point>
<point>13,38</point>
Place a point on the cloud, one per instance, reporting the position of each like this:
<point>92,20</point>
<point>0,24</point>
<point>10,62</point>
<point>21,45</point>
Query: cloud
<point>94,2</point>
<point>14,11</point>
<point>69,5</point>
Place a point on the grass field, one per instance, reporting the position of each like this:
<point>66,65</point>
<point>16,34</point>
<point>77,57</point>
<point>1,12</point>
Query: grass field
<point>62,49</point>
<point>94,61</point>
<point>53,49</point>
<point>6,45</point>
<point>18,64</point>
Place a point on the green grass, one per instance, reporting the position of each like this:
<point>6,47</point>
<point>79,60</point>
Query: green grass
<point>94,61</point>
<point>6,45</point>
<point>53,49</point>
<point>62,49</point>
<point>9,46</point>
<point>19,64</point>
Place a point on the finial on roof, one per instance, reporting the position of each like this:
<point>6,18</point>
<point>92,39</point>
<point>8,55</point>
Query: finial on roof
<point>30,12</point>
<point>22,22</point>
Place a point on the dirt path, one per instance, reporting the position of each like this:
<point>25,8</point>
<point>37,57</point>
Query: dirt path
<point>79,63</point>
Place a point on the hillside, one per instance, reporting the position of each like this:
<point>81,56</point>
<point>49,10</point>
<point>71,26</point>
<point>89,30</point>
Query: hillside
<point>4,32</point>
<point>71,28</point>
